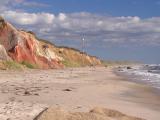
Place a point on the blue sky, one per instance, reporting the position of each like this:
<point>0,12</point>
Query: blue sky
<point>141,8</point>
<point>113,29</point>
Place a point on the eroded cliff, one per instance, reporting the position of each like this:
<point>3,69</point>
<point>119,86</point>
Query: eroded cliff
<point>24,47</point>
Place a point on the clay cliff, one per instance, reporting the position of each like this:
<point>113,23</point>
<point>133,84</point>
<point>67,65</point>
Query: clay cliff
<point>24,47</point>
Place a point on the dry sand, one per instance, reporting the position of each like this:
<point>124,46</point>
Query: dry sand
<point>94,114</point>
<point>24,94</point>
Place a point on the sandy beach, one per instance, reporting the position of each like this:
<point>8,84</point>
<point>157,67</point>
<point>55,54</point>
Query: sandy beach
<point>25,94</point>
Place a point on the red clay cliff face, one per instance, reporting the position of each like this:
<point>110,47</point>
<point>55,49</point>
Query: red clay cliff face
<point>23,46</point>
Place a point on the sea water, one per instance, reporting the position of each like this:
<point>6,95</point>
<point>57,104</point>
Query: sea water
<point>148,74</point>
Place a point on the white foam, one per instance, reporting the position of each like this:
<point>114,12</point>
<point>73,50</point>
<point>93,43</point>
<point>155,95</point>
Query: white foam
<point>141,74</point>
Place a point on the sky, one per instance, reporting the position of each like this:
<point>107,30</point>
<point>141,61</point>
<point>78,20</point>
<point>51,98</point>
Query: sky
<point>112,29</point>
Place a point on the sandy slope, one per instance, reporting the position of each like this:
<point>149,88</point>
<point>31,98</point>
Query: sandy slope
<point>94,114</point>
<point>75,90</point>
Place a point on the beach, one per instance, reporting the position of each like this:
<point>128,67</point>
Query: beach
<point>25,94</point>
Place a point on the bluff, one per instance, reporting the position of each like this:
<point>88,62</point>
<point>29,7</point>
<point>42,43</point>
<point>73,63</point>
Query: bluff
<point>24,47</point>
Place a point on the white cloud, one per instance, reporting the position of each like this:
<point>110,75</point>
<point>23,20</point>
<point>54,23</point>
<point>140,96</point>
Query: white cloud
<point>62,16</point>
<point>23,18</point>
<point>34,4</point>
<point>97,28</point>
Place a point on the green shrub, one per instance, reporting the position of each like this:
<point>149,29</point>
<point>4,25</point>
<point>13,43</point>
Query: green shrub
<point>29,65</point>
<point>12,65</point>
<point>68,63</point>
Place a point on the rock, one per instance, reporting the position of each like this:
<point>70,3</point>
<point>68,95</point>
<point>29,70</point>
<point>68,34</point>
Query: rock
<point>36,94</point>
<point>129,67</point>
<point>27,93</point>
<point>67,90</point>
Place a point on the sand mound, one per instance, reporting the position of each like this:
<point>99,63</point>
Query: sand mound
<point>94,114</point>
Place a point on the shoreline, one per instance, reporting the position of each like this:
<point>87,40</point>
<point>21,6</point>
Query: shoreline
<point>77,90</point>
<point>128,78</point>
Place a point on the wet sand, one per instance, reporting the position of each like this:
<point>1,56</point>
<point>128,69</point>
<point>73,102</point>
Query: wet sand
<point>24,94</point>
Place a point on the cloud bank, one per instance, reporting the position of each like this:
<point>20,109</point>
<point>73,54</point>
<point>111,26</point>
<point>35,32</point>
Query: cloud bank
<point>94,27</point>
<point>23,18</point>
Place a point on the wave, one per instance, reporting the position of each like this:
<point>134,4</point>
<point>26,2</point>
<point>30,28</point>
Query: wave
<point>149,74</point>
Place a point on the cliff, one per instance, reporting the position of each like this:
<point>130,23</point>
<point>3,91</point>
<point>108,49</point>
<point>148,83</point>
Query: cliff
<point>24,47</point>
<point>72,57</point>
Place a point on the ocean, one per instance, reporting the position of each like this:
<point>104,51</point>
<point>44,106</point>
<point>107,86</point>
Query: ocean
<point>148,74</point>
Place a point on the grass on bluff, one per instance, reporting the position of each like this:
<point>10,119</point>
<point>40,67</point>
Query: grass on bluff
<point>11,65</point>
<point>68,63</point>
<point>29,65</point>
